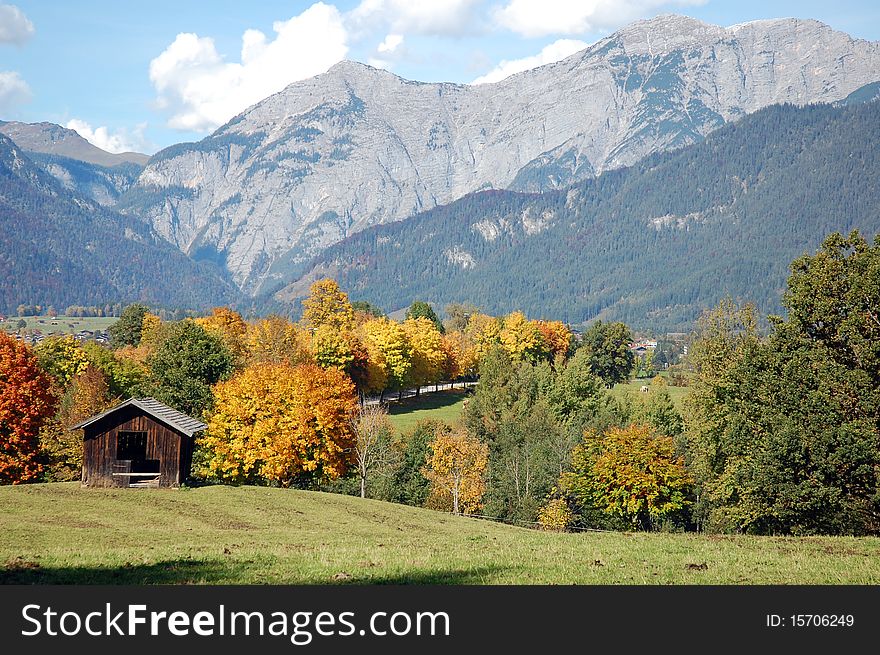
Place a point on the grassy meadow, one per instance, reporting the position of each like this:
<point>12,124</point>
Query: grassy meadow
<point>443,405</point>
<point>60,533</point>
<point>60,324</point>
<point>633,389</point>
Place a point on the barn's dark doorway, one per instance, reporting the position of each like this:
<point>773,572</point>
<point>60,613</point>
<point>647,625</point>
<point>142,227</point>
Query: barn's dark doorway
<point>132,447</point>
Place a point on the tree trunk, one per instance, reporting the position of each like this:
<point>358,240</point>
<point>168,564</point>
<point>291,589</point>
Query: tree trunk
<point>363,486</point>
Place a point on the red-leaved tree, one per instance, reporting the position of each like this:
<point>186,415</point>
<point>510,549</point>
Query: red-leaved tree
<point>26,401</point>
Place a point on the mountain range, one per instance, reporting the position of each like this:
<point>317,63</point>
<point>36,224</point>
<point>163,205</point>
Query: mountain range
<point>357,146</point>
<point>581,155</point>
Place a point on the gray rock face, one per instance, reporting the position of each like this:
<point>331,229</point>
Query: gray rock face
<point>358,146</point>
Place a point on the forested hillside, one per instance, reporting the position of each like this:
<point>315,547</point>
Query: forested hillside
<point>61,248</point>
<point>653,244</point>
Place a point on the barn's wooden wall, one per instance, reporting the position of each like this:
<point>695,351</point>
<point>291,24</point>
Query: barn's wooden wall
<point>173,450</point>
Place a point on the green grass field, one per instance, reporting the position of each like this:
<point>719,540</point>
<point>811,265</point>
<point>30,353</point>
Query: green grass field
<point>61,324</point>
<point>443,406</point>
<point>60,533</point>
<point>633,387</point>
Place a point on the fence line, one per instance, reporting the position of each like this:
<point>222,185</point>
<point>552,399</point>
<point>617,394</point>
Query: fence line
<point>411,393</point>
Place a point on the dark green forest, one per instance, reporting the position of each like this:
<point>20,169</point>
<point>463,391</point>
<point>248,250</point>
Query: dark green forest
<point>652,245</point>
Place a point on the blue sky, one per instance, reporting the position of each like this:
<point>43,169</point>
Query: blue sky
<point>131,75</point>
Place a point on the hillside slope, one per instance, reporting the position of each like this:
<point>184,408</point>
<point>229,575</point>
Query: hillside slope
<point>653,244</point>
<point>60,533</point>
<point>355,147</point>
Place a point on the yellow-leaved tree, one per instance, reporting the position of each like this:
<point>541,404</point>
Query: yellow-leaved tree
<point>482,334</point>
<point>389,352</point>
<point>327,305</point>
<point>632,472</point>
<point>280,424</point>
<point>456,469</point>
<point>522,339</point>
<point>426,351</point>
<point>332,348</point>
<point>151,331</point>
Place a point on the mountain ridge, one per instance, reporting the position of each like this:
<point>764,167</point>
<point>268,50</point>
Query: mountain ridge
<point>52,139</point>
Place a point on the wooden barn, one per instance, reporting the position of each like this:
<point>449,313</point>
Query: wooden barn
<point>139,443</point>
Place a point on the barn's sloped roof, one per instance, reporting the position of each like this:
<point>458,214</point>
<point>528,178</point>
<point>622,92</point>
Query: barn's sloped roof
<point>177,420</point>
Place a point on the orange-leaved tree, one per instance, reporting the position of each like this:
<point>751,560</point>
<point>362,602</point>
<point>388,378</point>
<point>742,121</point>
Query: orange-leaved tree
<point>557,337</point>
<point>280,424</point>
<point>456,468</point>
<point>26,402</point>
<point>86,395</point>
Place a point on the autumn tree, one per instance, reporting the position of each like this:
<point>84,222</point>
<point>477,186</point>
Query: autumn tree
<point>427,354</point>
<point>280,424</point>
<point>390,353</point>
<point>330,348</point>
<point>127,330</point>
<point>522,339</point>
<point>62,358</point>
<point>482,333</point>
<point>151,332</point>
<point>327,305</point>
<point>26,402</point>
<point>373,449</point>
<point>185,364</point>
<point>456,467</point>
<point>557,337</point>
<point>632,473</point>
<point>86,395</point>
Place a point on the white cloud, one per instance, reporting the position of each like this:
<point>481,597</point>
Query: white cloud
<point>435,17</point>
<point>391,43</point>
<point>119,141</point>
<point>387,52</point>
<point>532,18</point>
<point>15,27</point>
<point>13,90</point>
<point>202,91</point>
<point>554,52</point>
